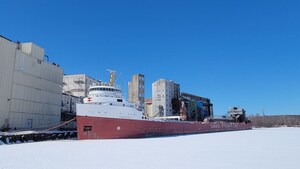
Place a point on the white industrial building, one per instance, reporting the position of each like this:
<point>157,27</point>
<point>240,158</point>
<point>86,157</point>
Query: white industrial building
<point>68,109</point>
<point>68,103</point>
<point>163,91</point>
<point>136,90</point>
<point>148,108</point>
<point>30,87</point>
<point>78,84</point>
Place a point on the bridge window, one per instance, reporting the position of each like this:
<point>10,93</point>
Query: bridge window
<point>119,100</point>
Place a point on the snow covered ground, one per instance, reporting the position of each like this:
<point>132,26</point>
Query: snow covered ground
<point>276,148</point>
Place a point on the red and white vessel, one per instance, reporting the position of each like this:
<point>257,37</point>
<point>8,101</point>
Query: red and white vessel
<point>105,114</point>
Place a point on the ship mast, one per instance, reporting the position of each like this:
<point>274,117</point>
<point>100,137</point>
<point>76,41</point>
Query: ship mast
<point>112,77</point>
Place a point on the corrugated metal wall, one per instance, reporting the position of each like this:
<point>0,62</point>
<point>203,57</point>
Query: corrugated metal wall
<point>7,52</point>
<point>35,97</point>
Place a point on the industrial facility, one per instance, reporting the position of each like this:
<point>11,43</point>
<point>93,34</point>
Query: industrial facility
<point>68,103</point>
<point>34,93</point>
<point>136,90</point>
<point>39,102</point>
<point>167,100</point>
<point>163,92</point>
<point>30,86</point>
<point>78,84</point>
<point>195,108</point>
<point>148,107</point>
<point>68,106</point>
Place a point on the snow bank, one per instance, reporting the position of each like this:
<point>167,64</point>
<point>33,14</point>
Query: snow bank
<point>275,148</point>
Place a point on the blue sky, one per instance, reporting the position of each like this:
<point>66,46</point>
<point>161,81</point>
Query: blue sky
<point>243,53</point>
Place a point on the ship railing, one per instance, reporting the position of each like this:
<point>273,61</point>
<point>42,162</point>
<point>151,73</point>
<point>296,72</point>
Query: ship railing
<point>169,118</point>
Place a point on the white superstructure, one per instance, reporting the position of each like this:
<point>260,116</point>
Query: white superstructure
<point>107,101</point>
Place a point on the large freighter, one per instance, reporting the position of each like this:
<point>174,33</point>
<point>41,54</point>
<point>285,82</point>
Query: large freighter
<point>105,114</point>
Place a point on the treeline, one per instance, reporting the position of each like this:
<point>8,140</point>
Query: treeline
<point>275,121</point>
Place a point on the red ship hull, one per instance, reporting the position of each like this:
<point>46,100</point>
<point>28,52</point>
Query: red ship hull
<point>113,128</point>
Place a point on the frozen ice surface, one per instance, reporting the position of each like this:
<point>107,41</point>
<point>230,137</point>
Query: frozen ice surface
<point>275,148</point>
